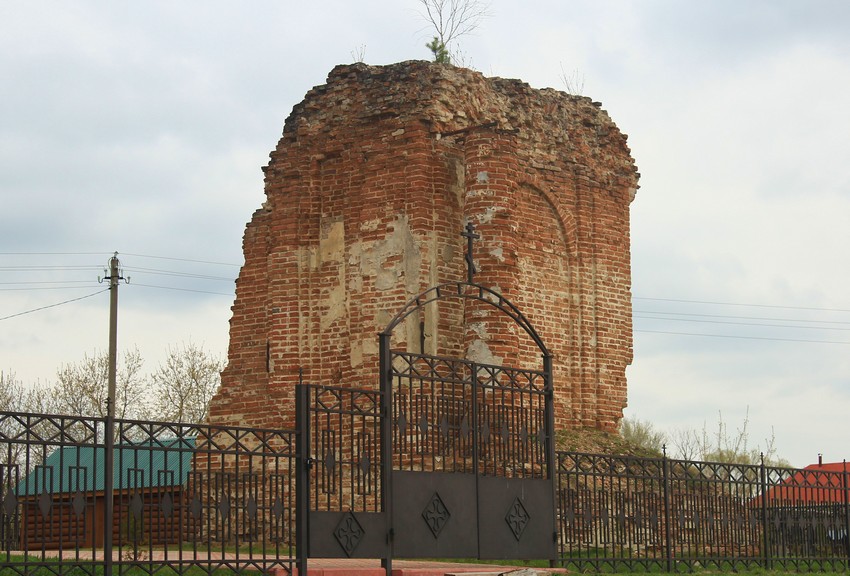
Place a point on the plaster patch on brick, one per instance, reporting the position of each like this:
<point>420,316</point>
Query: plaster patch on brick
<point>411,255</point>
<point>356,353</point>
<point>448,253</point>
<point>386,278</point>
<point>395,257</point>
<point>493,297</point>
<point>334,306</point>
<point>308,258</point>
<point>370,346</point>
<point>370,225</point>
<point>332,241</point>
<point>382,318</point>
<point>486,217</point>
<point>479,328</point>
<point>479,351</point>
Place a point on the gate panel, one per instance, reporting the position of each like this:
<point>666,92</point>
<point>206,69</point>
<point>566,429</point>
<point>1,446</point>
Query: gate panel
<point>348,535</point>
<point>471,457</point>
<point>344,481</point>
<point>517,518</point>
<point>433,515</point>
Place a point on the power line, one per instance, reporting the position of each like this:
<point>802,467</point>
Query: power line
<point>182,259</point>
<point>183,289</point>
<point>123,253</point>
<point>180,274</point>
<point>52,253</point>
<point>46,268</point>
<point>54,305</point>
<point>700,321</point>
<point>740,304</point>
<point>34,288</point>
<point>744,337</point>
<point>739,317</point>
<point>47,282</point>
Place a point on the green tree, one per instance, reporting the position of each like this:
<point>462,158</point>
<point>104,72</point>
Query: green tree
<point>450,20</point>
<point>438,49</point>
<point>642,434</point>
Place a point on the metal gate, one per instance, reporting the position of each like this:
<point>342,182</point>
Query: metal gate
<point>470,475</point>
<point>449,458</point>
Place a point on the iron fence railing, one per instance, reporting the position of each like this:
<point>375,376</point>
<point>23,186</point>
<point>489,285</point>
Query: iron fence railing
<point>198,497</point>
<point>676,515</point>
<point>184,496</point>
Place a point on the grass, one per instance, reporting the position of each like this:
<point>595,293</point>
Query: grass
<point>18,565</point>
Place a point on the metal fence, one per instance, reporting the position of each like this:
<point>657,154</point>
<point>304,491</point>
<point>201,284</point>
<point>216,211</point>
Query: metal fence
<point>184,496</point>
<point>212,497</point>
<point>659,514</point>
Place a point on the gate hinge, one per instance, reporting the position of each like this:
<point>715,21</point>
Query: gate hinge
<point>390,535</point>
<point>308,462</point>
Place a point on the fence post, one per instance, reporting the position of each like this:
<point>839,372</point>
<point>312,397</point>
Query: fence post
<point>668,539</point>
<point>549,445</point>
<point>764,524</point>
<point>846,514</point>
<point>386,383</point>
<point>302,475</point>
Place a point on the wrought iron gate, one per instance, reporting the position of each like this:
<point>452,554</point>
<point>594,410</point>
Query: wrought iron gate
<point>449,458</point>
<point>340,490</point>
<point>470,475</point>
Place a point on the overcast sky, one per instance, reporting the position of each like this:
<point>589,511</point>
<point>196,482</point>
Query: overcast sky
<point>142,127</point>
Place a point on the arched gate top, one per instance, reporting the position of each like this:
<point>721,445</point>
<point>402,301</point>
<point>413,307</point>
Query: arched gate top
<point>469,291</point>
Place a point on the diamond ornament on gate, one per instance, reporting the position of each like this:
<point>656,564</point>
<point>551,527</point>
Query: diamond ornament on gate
<point>349,533</point>
<point>517,518</point>
<point>436,515</point>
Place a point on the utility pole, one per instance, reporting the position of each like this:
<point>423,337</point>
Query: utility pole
<point>109,441</point>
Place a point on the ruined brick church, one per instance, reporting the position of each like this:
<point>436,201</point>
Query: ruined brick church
<point>375,177</point>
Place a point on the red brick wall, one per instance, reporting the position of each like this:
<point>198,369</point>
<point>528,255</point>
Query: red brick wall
<point>367,192</point>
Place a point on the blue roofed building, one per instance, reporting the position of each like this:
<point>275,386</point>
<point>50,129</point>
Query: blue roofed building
<point>60,501</point>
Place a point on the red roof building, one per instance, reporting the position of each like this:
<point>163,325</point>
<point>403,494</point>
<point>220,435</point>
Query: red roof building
<point>813,485</point>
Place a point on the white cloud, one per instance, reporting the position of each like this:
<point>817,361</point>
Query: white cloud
<point>142,128</point>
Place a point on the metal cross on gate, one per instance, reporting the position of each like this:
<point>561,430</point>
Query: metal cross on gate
<point>470,236</point>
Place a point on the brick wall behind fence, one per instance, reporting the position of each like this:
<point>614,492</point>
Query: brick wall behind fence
<point>369,187</point>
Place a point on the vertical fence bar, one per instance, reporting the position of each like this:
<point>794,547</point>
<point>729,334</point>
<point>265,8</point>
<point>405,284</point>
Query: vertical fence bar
<point>764,526</point>
<point>386,415</point>
<point>846,487</point>
<point>668,522</point>
<point>302,475</point>
<point>473,375</point>
<point>549,416</point>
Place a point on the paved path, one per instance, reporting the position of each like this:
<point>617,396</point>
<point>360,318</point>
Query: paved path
<point>333,566</point>
<point>358,567</point>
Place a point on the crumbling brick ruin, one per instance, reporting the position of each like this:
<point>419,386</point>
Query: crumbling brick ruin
<point>368,190</point>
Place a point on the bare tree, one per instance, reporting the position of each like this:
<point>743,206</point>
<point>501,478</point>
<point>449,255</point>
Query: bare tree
<point>723,445</point>
<point>81,389</point>
<point>15,397</point>
<point>185,384</point>
<point>11,392</point>
<point>359,53</point>
<point>450,20</point>
<point>573,82</point>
